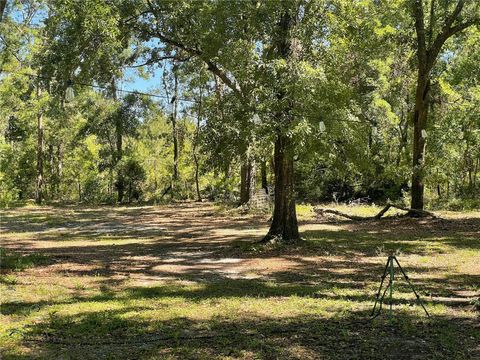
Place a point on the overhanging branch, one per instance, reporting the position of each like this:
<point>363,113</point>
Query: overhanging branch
<point>211,65</point>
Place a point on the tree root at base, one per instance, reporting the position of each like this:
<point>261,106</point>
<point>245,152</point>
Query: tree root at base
<point>271,239</point>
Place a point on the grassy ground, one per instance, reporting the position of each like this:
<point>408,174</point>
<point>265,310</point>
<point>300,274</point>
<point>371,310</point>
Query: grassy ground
<point>187,282</point>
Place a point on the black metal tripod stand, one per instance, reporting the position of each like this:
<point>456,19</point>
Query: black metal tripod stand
<point>389,268</point>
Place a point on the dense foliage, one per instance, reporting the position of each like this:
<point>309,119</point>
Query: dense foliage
<point>342,93</point>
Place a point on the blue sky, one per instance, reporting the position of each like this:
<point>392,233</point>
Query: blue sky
<point>134,82</point>
<point>151,85</point>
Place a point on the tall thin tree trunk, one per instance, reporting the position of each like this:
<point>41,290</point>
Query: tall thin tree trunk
<point>174,127</point>
<point>120,183</point>
<point>51,159</point>
<point>195,144</point>
<point>475,171</point>
<point>59,166</point>
<point>403,129</point>
<point>40,150</point>
<point>252,179</point>
<point>247,180</point>
<point>155,184</point>
<point>244,183</point>
<point>197,185</point>
<point>263,171</point>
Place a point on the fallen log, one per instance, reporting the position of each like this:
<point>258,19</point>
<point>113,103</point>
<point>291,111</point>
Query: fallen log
<point>410,212</point>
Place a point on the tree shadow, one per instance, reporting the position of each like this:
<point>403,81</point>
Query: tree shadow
<point>173,251</point>
<point>114,334</point>
<point>410,235</point>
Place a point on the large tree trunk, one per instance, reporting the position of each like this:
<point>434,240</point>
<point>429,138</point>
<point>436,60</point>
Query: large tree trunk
<point>428,50</point>
<point>284,226</point>
<point>420,117</point>
<point>40,150</point>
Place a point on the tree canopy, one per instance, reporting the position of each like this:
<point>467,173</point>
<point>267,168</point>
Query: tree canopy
<point>324,100</point>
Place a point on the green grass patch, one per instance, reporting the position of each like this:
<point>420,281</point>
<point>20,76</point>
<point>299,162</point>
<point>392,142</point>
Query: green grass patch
<point>201,288</point>
<point>17,262</point>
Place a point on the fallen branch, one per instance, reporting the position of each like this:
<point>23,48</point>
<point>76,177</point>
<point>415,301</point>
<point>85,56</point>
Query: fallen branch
<point>169,188</point>
<point>410,212</point>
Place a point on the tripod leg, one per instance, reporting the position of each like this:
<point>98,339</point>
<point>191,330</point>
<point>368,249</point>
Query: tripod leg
<point>381,302</point>
<point>391,287</point>
<point>381,285</point>
<point>419,300</point>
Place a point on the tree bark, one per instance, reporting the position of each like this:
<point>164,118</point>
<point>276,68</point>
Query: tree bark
<point>284,227</point>
<point>263,171</point>
<point>52,180</point>
<point>195,144</point>
<point>39,193</point>
<point>252,179</point>
<point>420,117</point>
<point>246,178</point>
<point>475,171</point>
<point>197,185</point>
<point>120,184</point>
<point>243,184</point>
<point>428,50</point>
<point>174,126</point>
<point>59,166</point>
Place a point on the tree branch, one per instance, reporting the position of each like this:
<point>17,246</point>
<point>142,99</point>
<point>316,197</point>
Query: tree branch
<point>212,66</point>
<point>462,26</point>
<point>448,31</point>
<point>454,15</point>
<point>156,59</point>
<point>420,30</point>
<point>431,24</point>
<point>410,212</point>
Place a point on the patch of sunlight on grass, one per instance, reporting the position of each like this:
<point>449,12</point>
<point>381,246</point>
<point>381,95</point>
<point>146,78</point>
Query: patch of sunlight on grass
<point>362,210</point>
<point>305,211</point>
<point>472,214</point>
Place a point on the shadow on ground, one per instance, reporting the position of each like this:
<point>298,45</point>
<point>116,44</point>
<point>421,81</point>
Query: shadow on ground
<point>113,334</point>
<point>144,258</point>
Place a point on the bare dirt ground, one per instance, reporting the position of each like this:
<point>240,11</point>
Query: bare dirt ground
<point>306,301</point>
